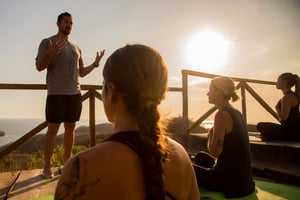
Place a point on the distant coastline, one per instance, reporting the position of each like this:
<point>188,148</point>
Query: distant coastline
<point>2,133</point>
<point>14,128</point>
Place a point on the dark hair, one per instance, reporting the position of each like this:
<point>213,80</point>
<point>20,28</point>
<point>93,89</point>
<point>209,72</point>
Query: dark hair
<point>291,80</point>
<point>64,14</point>
<point>139,74</point>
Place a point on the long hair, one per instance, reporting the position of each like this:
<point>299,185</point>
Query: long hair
<point>139,74</point>
<point>292,80</point>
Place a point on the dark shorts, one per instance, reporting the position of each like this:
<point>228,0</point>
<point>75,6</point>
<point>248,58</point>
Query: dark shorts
<point>63,108</point>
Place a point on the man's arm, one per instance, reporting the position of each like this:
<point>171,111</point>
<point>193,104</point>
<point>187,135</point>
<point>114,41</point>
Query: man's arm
<point>53,49</point>
<point>83,71</point>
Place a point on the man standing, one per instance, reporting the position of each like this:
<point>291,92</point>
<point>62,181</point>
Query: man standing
<point>64,65</point>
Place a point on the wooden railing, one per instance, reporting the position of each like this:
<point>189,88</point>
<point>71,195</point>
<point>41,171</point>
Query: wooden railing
<point>243,85</point>
<point>89,92</point>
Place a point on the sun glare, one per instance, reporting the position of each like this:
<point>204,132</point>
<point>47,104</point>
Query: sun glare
<point>207,51</point>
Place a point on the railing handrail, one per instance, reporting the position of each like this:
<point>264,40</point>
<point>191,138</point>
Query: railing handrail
<point>237,79</point>
<point>17,86</point>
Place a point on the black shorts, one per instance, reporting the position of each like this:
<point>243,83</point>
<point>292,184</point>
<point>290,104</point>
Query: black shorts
<point>63,108</point>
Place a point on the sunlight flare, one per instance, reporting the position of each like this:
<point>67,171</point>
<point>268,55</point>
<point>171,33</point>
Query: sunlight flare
<point>207,51</point>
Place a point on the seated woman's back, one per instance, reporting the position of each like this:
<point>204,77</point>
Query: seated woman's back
<point>113,170</point>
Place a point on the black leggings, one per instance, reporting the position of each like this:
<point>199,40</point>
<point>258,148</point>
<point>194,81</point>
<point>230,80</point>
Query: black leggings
<point>275,131</point>
<point>206,176</point>
<point>210,179</point>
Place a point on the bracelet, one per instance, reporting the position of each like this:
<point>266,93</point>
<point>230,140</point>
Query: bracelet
<point>96,65</point>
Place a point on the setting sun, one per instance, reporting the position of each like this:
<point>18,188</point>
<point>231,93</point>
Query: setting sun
<point>207,51</point>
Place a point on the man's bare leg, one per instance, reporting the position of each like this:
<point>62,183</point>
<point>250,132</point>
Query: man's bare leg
<point>49,148</point>
<point>68,139</point>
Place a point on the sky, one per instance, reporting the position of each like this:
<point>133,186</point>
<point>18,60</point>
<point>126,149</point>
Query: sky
<point>257,39</point>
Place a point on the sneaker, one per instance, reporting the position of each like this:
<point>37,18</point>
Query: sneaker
<point>47,174</point>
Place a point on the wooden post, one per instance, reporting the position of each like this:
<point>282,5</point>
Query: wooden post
<point>243,97</point>
<point>92,118</point>
<point>185,103</point>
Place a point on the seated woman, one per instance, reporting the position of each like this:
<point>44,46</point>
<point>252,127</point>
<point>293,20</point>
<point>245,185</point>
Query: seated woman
<point>226,168</point>
<point>287,109</point>
<point>139,161</point>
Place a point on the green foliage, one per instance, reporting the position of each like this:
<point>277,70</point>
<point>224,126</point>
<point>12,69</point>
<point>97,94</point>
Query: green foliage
<point>37,160</point>
<point>15,162</point>
<point>57,158</point>
<point>175,126</point>
<point>78,148</point>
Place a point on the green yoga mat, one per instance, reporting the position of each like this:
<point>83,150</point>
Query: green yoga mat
<point>48,197</point>
<point>264,191</point>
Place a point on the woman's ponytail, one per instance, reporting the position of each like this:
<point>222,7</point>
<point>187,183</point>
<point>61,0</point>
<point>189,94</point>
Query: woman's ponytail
<point>297,86</point>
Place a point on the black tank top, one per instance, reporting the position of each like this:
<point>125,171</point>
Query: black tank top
<point>132,140</point>
<point>292,122</point>
<point>234,164</point>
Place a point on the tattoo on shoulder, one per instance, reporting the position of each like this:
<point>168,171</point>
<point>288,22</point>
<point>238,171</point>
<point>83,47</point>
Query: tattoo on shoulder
<point>220,143</point>
<point>70,181</point>
<point>69,186</point>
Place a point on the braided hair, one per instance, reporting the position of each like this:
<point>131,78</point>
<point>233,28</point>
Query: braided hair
<point>139,74</point>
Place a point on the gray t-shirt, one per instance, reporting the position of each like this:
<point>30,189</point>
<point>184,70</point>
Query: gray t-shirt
<point>63,69</point>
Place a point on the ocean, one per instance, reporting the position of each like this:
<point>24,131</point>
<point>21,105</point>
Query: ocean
<point>16,128</point>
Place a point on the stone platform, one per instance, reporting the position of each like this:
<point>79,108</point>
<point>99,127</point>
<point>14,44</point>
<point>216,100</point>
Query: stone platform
<point>278,160</point>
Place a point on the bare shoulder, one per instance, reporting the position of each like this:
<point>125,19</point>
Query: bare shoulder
<point>222,114</point>
<point>113,153</point>
<point>100,171</point>
<point>177,156</point>
<point>222,118</point>
<point>290,98</point>
<point>180,179</point>
<point>176,148</point>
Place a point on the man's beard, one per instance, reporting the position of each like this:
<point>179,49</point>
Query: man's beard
<point>66,31</point>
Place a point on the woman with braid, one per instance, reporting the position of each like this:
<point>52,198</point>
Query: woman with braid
<point>287,110</point>
<point>139,161</point>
